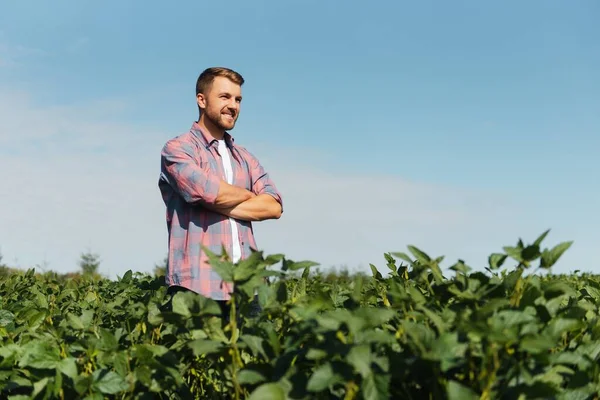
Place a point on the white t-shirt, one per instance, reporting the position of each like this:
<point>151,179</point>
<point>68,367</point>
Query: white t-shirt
<point>224,152</point>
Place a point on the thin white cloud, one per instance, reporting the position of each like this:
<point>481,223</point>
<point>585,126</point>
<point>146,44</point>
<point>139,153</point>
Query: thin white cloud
<point>61,195</point>
<point>78,44</point>
<point>11,55</point>
<point>350,220</point>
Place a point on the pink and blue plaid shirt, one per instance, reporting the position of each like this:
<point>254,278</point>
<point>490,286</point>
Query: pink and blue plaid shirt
<point>191,169</point>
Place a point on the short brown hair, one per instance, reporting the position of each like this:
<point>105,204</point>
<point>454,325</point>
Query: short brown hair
<point>208,75</point>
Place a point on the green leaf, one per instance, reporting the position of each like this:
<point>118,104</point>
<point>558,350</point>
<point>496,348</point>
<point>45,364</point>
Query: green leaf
<point>447,349</point>
<point>41,355</point>
<point>457,391</point>
<point>37,319</point>
<point>538,241</point>
<point>274,259</point>
<point>120,363</point>
<point>108,341</point>
<point>127,277</point>
<point>360,358</point>
<point>109,382</point>
<point>550,257</point>
<point>461,267</point>
<point>591,291</point>
<point>94,396</point>
<point>559,288</point>
<point>558,326</point>
<point>306,273</point>
<point>375,272</point>
<point>419,255</point>
<point>6,318</point>
<point>322,377</point>
<point>225,269</point>
<point>543,313</point>
<point>255,343</point>
<point>358,287</point>
<point>371,317</point>
<point>391,263</point>
<point>68,366</point>
<point>268,391</point>
<point>181,302</point>
<point>249,377</point>
<point>315,354</point>
<point>567,357</point>
<point>376,387</point>
<point>584,393</point>
<point>40,299</point>
<point>282,293</point>
<point>293,266</point>
<point>144,375</point>
<point>510,318</point>
<point>537,344</point>
<point>496,260</point>
<point>536,390</point>
<point>437,273</point>
<point>434,317</point>
<point>530,253</point>
<point>87,316</point>
<point>402,256</point>
<point>591,350</point>
<point>492,306</point>
<point>38,387</point>
<point>247,267</point>
<point>75,322</point>
<point>83,383</point>
<point>416,295</point>
<point>513,252</point>
<point>205,346</point>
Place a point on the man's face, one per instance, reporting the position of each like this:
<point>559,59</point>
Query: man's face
<point>221,105</point>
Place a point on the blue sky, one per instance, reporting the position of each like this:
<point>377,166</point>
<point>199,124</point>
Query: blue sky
<point>455,126</point>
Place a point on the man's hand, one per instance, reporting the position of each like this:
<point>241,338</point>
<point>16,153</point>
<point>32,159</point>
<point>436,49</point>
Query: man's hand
<point>257,208</point>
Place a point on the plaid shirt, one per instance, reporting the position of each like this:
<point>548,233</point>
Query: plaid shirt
<point>191,169</point>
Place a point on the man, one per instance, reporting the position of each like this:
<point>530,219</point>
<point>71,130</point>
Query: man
<point>213,190</point>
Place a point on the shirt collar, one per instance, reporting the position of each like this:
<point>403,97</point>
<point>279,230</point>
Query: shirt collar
<point>208,140</point>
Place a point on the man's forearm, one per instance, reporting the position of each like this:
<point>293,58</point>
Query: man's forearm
<point>230,196</point>
<point>258,208</point>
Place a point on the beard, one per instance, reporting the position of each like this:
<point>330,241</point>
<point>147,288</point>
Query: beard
<point>218,119</point>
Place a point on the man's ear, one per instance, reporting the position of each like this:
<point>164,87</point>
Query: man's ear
<point>201,100</point>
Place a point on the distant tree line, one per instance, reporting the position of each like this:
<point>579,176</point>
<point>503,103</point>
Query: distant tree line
<point>89,266</point>
<point>88,263</point>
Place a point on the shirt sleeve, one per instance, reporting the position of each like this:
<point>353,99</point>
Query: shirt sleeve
<point>186,174</point>
<point>261,182</point>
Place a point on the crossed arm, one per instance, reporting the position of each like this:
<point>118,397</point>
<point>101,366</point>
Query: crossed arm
<point>198,185</point>
<point>243,204</point>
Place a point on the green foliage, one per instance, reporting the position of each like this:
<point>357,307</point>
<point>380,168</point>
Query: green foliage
<point>413,334</point>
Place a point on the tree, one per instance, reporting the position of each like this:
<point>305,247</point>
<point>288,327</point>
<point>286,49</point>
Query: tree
<point>161,269</point>
<point>5,270</point>
<point>89,263</point>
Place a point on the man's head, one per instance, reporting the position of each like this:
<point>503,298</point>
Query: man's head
<point>219,94</point>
